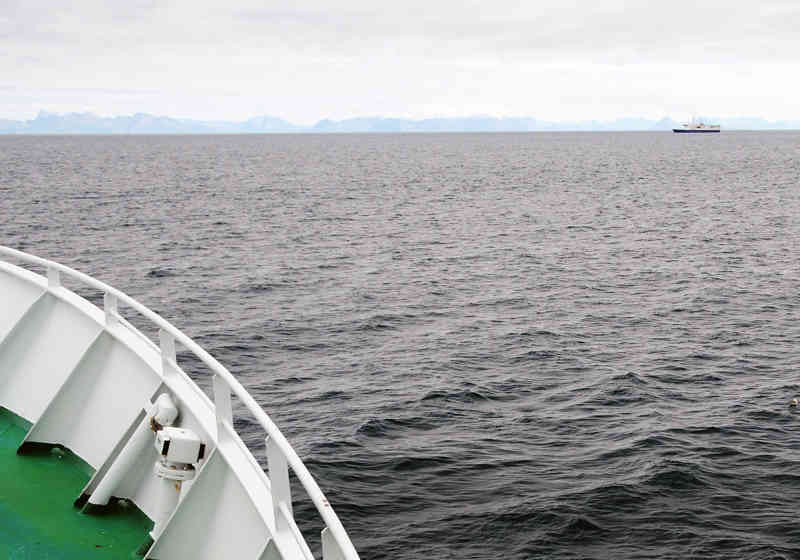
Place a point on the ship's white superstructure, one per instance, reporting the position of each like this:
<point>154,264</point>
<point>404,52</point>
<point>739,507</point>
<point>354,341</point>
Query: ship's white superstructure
<point>697,126</point>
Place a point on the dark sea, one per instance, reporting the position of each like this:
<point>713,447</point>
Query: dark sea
<point>516,346</point>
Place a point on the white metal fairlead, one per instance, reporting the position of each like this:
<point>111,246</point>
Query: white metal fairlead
<point>162,413</point>
<point>178,451</point>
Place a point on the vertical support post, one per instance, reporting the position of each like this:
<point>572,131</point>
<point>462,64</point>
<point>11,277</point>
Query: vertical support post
<point>53,278</point>
<point>279,484</point>
<point>168,357</point>
<point>111,309</point>
<point>223,407</point>
<point>330,548</point>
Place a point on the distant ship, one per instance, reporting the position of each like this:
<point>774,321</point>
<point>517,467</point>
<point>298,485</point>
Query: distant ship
<point>693,126</point>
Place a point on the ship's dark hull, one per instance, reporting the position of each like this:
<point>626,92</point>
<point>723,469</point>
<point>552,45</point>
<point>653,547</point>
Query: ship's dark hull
<point>690,131</point>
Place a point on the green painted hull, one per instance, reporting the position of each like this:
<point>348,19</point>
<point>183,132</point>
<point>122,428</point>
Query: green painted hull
<point>37,517</point>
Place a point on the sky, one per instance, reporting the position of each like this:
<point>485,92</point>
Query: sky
<point>560,60</point>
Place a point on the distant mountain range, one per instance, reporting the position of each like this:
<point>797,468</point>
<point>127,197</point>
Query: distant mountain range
<point>142,123</point>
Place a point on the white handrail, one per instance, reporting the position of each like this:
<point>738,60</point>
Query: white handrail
<point>303,475</point>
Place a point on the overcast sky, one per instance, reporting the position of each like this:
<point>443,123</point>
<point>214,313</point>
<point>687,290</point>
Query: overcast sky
<point>554,60</point>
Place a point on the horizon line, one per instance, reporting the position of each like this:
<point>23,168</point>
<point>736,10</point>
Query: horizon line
<point>45,112</point>
<point>88,123</point>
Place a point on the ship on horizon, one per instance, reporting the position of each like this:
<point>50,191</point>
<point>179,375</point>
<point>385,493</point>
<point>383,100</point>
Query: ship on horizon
<point>694,126</point>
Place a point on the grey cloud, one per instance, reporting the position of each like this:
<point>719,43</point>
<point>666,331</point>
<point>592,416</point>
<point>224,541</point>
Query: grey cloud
<point>611,30</point>
<point>638,29</point>
<point>412,58</point>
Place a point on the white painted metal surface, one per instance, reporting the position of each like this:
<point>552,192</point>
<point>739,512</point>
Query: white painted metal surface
<point>87,379</point>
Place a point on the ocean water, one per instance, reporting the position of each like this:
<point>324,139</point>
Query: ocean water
<point>570,345</point>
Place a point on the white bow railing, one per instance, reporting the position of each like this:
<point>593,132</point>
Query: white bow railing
<point>336,544</point>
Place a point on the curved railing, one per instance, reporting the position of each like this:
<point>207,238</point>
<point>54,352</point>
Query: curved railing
<point>279,451</point>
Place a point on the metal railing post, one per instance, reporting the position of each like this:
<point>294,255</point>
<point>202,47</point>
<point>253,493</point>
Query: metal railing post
<point>168,354</point>
<point>223,407</point>
<point>278,469</point>
<point>53,277</point>
<point>111,309</point>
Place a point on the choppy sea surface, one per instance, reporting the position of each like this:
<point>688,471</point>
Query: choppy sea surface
<point>569,345</point>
